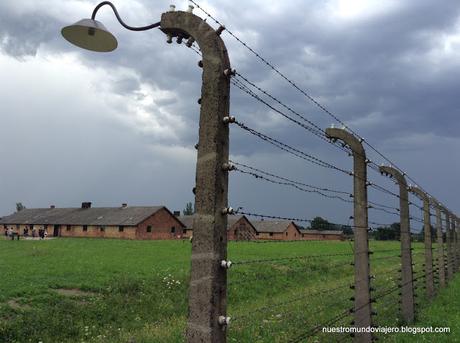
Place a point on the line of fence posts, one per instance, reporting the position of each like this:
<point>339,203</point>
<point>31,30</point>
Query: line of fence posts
<point>454,243</point>
<point>457,241</point>
<point>363,312</point>
<point>429,279</point>
<point>449,246</point>
<point>407,289</point>
<point>207,319</point>
<point>362,302</point>
<point>440,242</point>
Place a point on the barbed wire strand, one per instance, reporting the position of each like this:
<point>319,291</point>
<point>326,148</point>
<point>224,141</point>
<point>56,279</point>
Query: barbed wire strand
<point>303,92</point>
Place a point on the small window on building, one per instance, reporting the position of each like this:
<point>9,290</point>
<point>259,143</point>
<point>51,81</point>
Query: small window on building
<point>45,226</point>
<point>286,233</point>
<point>102,228</point>
<point>17,226</point>
<point>149,228</point>
<point>85,227</point>
<point>121,228</point>
<point>184,231</point>
<point>68,227</point>
<point>257,234</point>
<point>173,229</point>
<point>234,232</point>
<point>271,234</point>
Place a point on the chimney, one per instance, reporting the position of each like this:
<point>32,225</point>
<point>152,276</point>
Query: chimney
<point>86,204</point>
<point>176,213</point>
<point>124,205</point>
<point>52,206</point>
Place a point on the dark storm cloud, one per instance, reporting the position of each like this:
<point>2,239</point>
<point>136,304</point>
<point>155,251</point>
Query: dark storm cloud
<point>385,73</point>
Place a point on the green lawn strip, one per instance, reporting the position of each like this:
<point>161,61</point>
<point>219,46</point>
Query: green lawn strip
<point>442,312</point>
<point>138,289</point>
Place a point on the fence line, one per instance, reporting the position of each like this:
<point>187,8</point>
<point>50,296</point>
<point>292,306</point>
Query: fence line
<point>418,269</point>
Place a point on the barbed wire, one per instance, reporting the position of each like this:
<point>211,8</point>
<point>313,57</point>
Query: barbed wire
<point>287,182</point>
<point>312,331</point>
<point>291,258</point>
<point>267,216</point>
<point>303,92</point>
<point>291,150</point>
<point>261,276</point>
<point>311,127</point>
<point>315,129</point>
<point>324,189</point>
<point>378,208</point>
<point>288,302</point>
<point>318,131</point>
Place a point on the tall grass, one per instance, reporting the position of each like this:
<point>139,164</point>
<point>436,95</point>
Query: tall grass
<point>137,290</point>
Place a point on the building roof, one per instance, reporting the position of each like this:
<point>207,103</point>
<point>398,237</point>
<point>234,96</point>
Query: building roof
<point>188,220</point>
<point>272,226</point>
<point>130,215</point>
<point>321,232</point>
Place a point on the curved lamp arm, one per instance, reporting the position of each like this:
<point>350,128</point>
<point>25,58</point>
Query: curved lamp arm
<point>132,28</point>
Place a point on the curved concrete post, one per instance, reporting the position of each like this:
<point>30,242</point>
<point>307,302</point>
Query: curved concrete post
<point>457,242</point>
<point>362,290</point>
<point>427,238</point>
<point>454,243</point>
<point>208,280</point>
<point>407,290</point>
<point>440,241</point>
<point>449,245</point>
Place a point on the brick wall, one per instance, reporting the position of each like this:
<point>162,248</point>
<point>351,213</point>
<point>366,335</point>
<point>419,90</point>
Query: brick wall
<point>107,231</point>
<point>241,230</point>
<point>163,225</point>
<point>328,237</point>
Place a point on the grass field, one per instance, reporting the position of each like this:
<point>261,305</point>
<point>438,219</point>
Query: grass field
<point>94,290</point>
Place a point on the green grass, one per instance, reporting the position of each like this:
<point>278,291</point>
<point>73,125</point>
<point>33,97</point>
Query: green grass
<point>443,311</point>
<point>137,290</point>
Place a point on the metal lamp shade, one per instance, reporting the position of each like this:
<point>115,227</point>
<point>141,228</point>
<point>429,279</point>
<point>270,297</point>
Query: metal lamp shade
<point>91,35</point>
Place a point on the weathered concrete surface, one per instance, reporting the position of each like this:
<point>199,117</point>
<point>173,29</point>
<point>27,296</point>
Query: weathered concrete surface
<point>429,281</point>
<point>440,250</point>
<point>450,270</point>
<point>457,237</point>
<point>207,292</point>
<point>407,290</point>
<point>362,314</point>
<point>454,243</point>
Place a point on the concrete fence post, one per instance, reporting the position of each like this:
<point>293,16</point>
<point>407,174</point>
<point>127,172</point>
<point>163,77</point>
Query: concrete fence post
<point>454,243</point>
<point>207,318</point>
<point>362,313</point>
<point>449,245</point>
<point>407,290</point>
<point>457,247</point>
<point>440,241</point>
<point>429,281</point>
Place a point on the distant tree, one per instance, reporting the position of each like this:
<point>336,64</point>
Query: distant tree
<point>347,230</point>
<point>387,233</point>
<point>20,206</point>
<point>319,223</point>
<point>189,209</point>
<point>421,236</point>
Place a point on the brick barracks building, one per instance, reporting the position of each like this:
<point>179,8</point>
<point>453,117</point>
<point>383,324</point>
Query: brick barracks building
<point>128,222</point>
<point>239,228</point>
<point>148,222</point>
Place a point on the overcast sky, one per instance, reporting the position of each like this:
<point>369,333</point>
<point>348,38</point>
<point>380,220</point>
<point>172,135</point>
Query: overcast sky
<point>121,126</point>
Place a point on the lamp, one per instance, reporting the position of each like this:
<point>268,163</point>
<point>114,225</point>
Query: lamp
<point>92,35</point>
